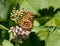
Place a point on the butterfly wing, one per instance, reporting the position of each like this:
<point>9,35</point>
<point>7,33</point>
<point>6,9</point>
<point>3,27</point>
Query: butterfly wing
<point>27,21</point>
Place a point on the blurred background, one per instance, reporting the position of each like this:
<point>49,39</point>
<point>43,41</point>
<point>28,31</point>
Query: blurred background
<point>46,20</point>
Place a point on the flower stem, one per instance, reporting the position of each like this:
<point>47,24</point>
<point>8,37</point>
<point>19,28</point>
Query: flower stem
<point>16,42</point>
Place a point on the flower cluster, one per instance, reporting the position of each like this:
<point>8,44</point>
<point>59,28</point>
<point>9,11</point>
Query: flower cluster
<point>24,19</point>
<point>16,15</point>
<point>19,33</point>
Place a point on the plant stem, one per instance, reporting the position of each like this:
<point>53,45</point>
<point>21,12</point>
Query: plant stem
<point>16,43</point>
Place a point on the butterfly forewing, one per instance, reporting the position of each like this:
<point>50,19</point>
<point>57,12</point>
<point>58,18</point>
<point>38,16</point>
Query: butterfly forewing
<point>27,21</point>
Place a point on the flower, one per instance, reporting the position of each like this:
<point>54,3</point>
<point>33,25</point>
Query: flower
<point>19,33</point>
<point>25,20</point>
<point>16,15</point>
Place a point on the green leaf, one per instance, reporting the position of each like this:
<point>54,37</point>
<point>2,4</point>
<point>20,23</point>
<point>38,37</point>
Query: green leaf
<point>53,39</point>
<point>28,6</point>
<point>43,34</point>
<point>36,23</point>
<point>51,22</point>
<point>48,3</point>
<point>7,43</point>
<point>3,27</point>
<point>35,5</point>
<point>11,36</point>
<point>3,9</point>
<point>57,29</point>
<point>43,31</point>
<point>55,21</point>
<point>44,28</point>
<point>31,5</point>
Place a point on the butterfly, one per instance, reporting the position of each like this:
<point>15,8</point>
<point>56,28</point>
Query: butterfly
<point>27,21</point>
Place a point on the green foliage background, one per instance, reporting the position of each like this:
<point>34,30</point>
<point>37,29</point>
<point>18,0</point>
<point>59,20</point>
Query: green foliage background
<point>46,27</point>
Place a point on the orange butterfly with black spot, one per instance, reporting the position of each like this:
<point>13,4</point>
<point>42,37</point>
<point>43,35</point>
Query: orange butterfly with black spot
<point>27,21</point>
